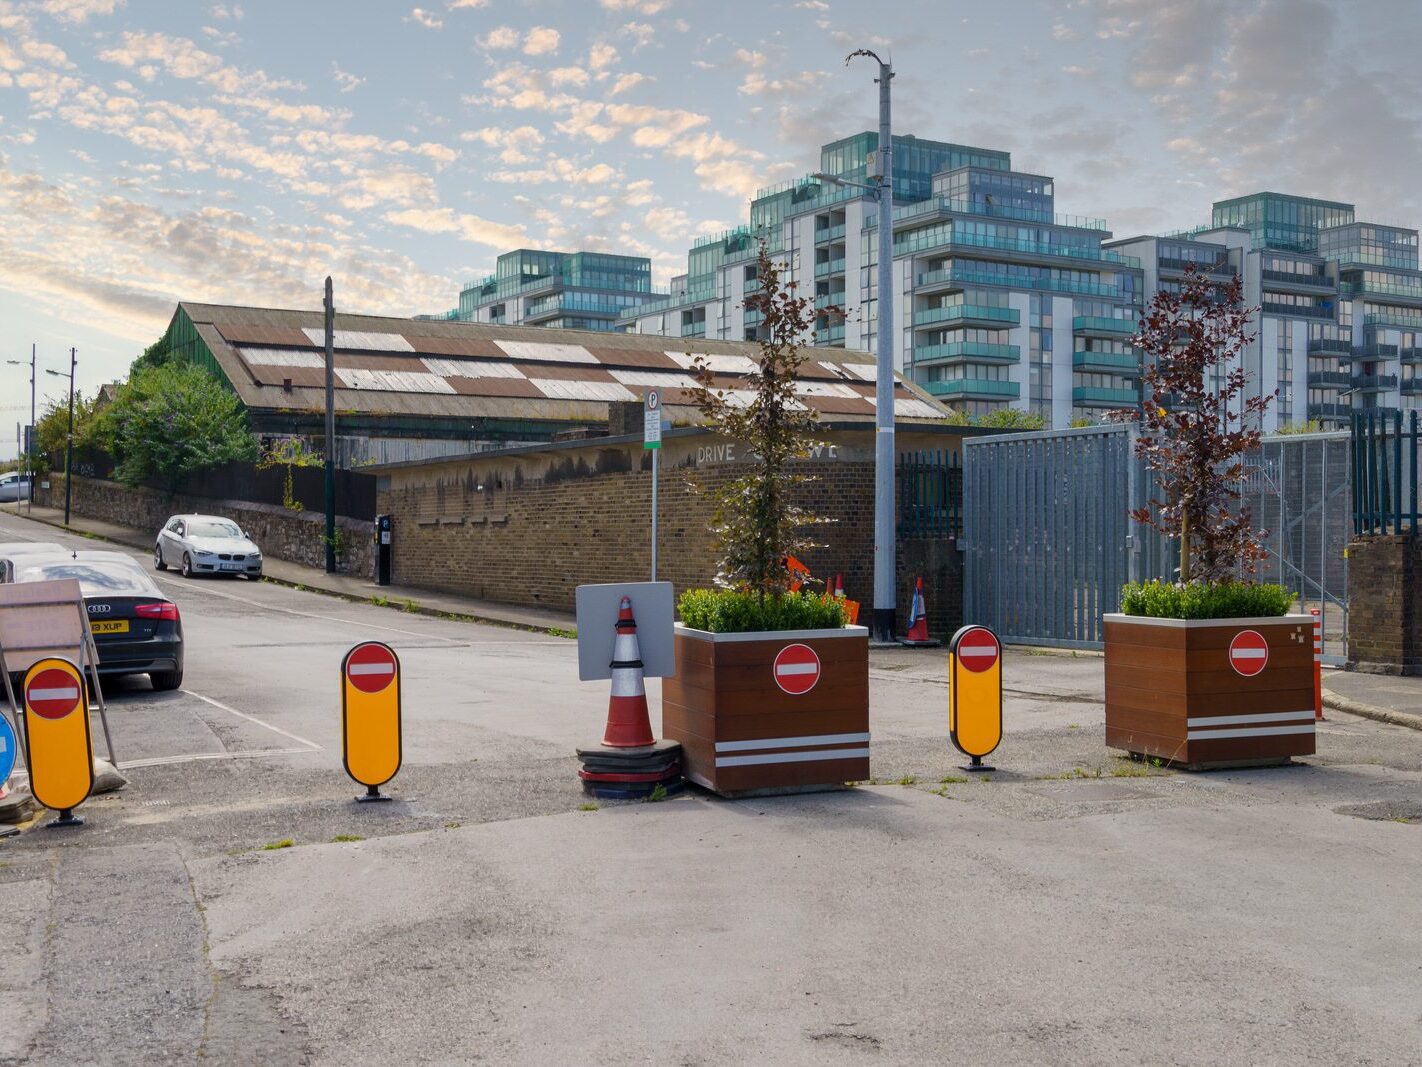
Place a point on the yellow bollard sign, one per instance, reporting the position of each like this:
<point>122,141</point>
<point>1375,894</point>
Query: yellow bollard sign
<point>58,747</point>
<point>370,715</point>
<point>975,693</point>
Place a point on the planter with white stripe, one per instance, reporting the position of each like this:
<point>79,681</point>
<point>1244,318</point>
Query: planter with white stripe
<point>769,711</point>
<point>1206,693</point>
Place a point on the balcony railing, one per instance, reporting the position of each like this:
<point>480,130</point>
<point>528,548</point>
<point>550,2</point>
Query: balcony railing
<point>829,334</point>
<point>1374,383</point>
<point>1329,411</point>
<point>1329,379</point>
<point>947,206</point>
<point>833,266</point>
<point>1313,281</point>
<point>967,352</point>
<point>1092,396</point>
<point>1410,292</point>
<point>966,313</point>
<point>1409,322</point>
<point>1124,363</point>
<point>830,233</point>
<point>1330,346</point>
<point>829,300</point>
<point>1411,386</point>
<point>1304,311</point>
<point>958,278</point>
<point>934,237</point>
<point>980,388</point>
<point>1101,324</point>
<point>693,329</point>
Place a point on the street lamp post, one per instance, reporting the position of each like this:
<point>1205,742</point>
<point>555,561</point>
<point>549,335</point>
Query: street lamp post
<point>885,535</point>
<point>30,444</point>
<point>330,309</point>
<point>68,437</point>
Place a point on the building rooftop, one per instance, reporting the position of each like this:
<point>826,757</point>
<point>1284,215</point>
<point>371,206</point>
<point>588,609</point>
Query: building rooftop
<point>275,361</point>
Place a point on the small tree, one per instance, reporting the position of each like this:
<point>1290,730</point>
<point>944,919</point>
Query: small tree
<point>756,522</point>
<point>172,420</point>
<point>1194,428</point>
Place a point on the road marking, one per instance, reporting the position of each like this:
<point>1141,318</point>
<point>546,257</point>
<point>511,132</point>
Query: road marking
<point>252,718</point>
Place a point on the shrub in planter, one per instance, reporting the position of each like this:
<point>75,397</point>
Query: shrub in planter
<point>772,688</point>
<point>1210,670</point>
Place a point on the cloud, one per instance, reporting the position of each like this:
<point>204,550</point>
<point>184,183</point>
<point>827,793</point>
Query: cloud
<point>500,37</point>
<point>813,5</point>
<point>626,82</point>
<point>641,7</point>
<point>601,55</point>
<point>1080,72</point>
<point>46,53</point>
<point>78,10</point>
<point>514,144</point>
<point>224,12</point>
<point>1062,32</point>
<point>470,228</point>
<point>540,41</point>
<point>641,33</point>
<point>456,5</point>
<point>424,18</point>
<point>345,82</point>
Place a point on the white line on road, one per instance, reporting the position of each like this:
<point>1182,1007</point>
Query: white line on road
<point>252,718</point>
<point>163,761</point>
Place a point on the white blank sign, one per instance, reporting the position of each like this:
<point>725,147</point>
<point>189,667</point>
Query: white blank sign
<point>597,627</point>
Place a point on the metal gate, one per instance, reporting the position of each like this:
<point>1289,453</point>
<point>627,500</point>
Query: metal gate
<point>1048,539</point>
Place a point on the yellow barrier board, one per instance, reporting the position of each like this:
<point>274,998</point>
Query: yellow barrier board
<point>975,691</point>
<point>370,714</point>
<point>59,749</point>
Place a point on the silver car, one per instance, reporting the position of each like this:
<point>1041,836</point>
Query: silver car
<point>206,544</point>
<point>14,485</point>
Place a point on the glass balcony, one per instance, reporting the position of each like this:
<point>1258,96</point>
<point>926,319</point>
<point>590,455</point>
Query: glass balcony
<point>1329,346</point>
<point>974,389</point>
<point>693,329</point>
<point>1099,324</point>
<point>994,316</point>
<point>833,266</point>
<point>1410,355</point>
<point>1329,411</point>
<point>1329,379</point>
<point>947,206</point>
<point>1091,396</point>
<point>1360,288</point>
<point>957,278</point>
<point>939,237</point>
<point>831,233</point>
<point>1219,268</point>
<point>1374,383</point>
<point>1411,386</point>
<point>966,352</point>
<point>829,300</point>
<point>1409,322</point>
<point>1289,278</point>
<point>1303,311</point>
<point>1123,363</point>
<point>828,335</point>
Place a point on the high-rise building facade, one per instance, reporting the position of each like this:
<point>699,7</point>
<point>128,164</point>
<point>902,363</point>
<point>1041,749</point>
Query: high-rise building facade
<point>566,290</point>
<point>1340,321</point>
<point>1000,301</point>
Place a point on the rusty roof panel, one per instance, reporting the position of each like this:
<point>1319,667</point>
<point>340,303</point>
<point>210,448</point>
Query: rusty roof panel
<point>544,351</point>
<point>472,346</point>
<point>471,368</point>
<point>511,387</point>
<point>720,362</point>
<point>393,381</point>
<point>654,379</point>
<point>283,336</point>
<point>300,376</point>
<point>565,389</point>
<point>367,361</point>
<point>567,374</point>
<point>359,340</point>
<point>631,357</point>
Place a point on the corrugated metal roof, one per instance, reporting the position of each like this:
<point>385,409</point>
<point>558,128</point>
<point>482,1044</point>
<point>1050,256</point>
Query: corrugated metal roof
<point>509,372</point>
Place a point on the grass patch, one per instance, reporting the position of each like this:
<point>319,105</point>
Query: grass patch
<point>589,806</point>
<point>411,606</point>
<point>1129,768</point>
<point>380,601</point>
<point>658,794</point>
<point>285,842</point>
<point>909,779</point>
<point>952,779</point>
<point>343,838</point>
<point>558,631</point>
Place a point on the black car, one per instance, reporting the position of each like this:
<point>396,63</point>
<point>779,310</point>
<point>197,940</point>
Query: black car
<point>137,629</point>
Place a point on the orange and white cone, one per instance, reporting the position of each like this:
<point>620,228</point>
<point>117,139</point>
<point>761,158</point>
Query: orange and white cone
<point>628,724</point>
<point>839,586</point>
<point>918,616</point>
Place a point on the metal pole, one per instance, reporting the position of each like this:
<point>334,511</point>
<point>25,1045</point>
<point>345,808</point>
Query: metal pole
<point>330,431</point>
<point>69,443</point>
<point>655,453</point>
<point>885,578</point>
<point>30,450</point>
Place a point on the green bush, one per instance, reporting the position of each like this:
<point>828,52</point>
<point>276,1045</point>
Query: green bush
<point>726,611</point>
<point>1204,600</point>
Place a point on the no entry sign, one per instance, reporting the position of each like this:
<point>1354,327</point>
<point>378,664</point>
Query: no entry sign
<point>1248,653</point>
<point>797,669</point>
<point>52,693</point>
<point>978,650</point>
<point>370,667</point>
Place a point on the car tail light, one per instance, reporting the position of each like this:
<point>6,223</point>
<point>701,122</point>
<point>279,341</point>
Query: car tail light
<point>156,611</point>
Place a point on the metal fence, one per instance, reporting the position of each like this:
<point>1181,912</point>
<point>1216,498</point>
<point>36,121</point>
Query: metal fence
<point>930,486</point>
<point>1048,540</point>
<point>1384,472</point>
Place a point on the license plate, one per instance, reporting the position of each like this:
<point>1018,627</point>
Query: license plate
<point>109,626</point>
<point>232,566</point>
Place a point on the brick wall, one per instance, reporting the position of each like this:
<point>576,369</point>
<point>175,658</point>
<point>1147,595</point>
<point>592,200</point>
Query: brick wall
<point>1384,589</point>
<point>530,529</point>
<point>297,536</point>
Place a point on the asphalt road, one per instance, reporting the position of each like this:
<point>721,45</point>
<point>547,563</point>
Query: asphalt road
<point>1072,907</point>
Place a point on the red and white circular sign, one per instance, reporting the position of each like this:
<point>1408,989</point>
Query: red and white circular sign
<point>53,693</point>
<point>1248,653</point>
<point>370,667</point>
<point>796,669</point>
<point>977,650</point>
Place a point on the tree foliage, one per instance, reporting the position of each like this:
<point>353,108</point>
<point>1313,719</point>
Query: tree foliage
<point>756,522</point>
<point>172,420</point>
<point>1000,419</point>
<point>155,355</point>
<point>53,426</point>
<point>1196,425</point>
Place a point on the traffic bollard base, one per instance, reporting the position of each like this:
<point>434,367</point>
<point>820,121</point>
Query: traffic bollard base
<point>372,794</point>
<point>67,818</point>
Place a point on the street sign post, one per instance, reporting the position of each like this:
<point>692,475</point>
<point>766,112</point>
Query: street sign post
<point>1248,653</point>
<point>59,750</point>
<point>8,745</point>
<point>975,693</point>
<point>796,669</point>
<point>370,716</point>
<point>652,440</point>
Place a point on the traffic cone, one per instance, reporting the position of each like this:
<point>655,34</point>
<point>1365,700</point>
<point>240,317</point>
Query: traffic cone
<point>628,724</point>
<point>918,620</point>
<point>839,586</point>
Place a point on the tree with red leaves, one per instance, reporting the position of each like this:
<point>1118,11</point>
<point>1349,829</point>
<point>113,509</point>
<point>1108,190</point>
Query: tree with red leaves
<point>1196,426</point>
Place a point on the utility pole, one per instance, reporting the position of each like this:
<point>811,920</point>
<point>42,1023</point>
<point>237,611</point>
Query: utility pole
<point>28,446</point>
<point>330,430</point>
<point>885,534</point>
<point>69,440</point>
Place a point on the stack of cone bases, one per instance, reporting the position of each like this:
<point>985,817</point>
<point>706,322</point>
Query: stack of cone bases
<point>630,763</point>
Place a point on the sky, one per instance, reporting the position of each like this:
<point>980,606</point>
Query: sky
<point>158,150</point>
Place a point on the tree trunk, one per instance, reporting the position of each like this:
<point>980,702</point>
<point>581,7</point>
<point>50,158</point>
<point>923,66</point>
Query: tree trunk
<point>1184,544</point>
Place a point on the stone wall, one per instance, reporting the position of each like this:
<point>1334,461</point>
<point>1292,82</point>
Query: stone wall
<point>1384,590</point>
<point>297,536</point>
<point>530,528</point>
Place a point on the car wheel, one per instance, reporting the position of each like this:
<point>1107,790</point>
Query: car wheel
<point>166,681</point>
<point>158,564</point>
<point>187,565</point>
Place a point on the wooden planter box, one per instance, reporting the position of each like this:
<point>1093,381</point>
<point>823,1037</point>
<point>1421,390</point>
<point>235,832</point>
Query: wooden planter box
<point>742,733</point>
<point>1173,693</point>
